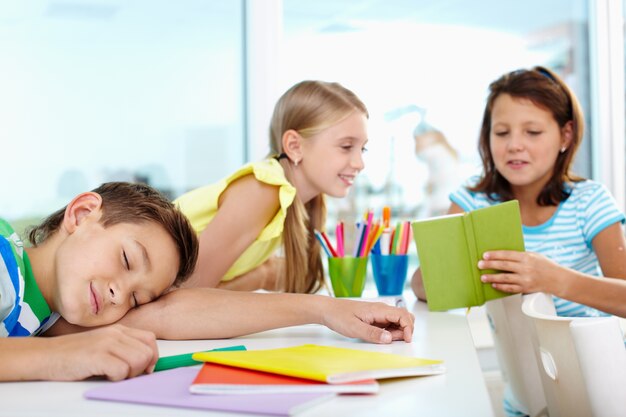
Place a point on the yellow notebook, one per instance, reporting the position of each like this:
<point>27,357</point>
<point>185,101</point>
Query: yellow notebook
<point>326,363</point>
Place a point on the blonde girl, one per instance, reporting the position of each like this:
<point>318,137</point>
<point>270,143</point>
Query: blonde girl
<point>318,132</point>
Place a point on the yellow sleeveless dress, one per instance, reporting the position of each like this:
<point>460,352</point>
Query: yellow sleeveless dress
<point>200,206</point>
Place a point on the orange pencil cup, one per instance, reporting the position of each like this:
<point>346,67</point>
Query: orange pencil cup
<point>347,275</point>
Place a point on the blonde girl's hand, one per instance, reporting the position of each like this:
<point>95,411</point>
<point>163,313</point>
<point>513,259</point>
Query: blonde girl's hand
<point>523,272</point>
<point>372,322</point>
<point>116,352</point>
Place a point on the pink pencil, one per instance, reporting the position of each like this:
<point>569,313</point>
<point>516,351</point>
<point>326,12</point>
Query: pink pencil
<point>338,233</point>
<point>406,237</point>
<point>343,239</point>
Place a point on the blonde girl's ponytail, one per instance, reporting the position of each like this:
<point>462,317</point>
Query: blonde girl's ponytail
<point>308,108</point>
<point>304,272</point>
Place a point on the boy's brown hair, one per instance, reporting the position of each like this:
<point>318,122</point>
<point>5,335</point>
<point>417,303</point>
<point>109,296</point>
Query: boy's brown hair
<point>124,202</point>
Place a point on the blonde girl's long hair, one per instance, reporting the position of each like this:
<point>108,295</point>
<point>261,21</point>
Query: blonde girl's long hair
<point>308,107</point>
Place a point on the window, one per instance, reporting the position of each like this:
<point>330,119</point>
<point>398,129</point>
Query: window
<point>431,62</point>
<point>114,90</point>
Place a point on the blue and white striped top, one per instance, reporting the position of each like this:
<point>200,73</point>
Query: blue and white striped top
<point>23,309</point>
<point>567,236</point>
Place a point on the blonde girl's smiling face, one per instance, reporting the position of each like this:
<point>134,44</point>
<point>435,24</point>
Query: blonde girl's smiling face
<point>104,272</point>
<point>525,141</point>
<point>332,158</point>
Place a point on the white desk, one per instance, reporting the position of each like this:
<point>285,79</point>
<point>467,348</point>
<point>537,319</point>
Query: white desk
<point>461,391</point>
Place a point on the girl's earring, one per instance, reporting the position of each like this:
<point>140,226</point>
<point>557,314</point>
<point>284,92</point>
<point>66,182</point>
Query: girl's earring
<point>296,162</point>
<point>563,149</point>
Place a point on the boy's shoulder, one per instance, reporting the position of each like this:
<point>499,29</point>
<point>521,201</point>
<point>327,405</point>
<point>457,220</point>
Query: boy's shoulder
<point>11,246</point>
<point>11,252</point>
<point>10,238</point>
<point>6,229</point>
<point>23,309</point>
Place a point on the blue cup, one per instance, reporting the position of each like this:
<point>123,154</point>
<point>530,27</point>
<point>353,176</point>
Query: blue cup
<point>389,273</point>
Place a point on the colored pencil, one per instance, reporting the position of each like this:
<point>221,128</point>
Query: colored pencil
<point>322,243</point>
<point>339,235</point>
<point>332,250</point>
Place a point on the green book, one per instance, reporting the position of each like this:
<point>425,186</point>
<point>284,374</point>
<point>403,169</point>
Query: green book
<point>449,248</point>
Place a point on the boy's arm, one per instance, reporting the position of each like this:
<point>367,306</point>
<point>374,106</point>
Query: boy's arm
<point>115,352</point>
<point>207,313</point>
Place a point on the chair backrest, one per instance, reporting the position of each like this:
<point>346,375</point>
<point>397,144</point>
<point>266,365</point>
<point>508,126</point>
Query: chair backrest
<point>516,356</point>
<point>582,361</point>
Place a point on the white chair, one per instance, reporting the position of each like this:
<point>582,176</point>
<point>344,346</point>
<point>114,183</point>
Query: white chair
<point>516,356</point>
<point>582,360</point>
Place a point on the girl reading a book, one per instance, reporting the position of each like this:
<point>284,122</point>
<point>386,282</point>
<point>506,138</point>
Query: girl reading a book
<point>532,127</point>
<point>317,136</point>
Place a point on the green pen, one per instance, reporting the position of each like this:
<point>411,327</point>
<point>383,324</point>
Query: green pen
<point>177,361</point>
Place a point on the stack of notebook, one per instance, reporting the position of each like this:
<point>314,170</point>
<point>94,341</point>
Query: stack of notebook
<point>281,381</point>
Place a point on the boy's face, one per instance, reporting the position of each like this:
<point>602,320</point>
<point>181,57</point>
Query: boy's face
<point>102,273</point>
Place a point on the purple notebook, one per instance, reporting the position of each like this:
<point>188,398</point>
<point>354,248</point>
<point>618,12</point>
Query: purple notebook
<point>171,388</point>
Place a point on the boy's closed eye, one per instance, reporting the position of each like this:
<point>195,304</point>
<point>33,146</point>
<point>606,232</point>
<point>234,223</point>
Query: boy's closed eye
<point>125,260</point>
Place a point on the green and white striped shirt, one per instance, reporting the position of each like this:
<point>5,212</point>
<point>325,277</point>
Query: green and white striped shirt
<point>23,310</point>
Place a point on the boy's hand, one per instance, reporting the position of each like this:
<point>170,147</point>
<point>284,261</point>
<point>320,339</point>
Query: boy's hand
<point>526,271</point>
<point>372,322</point>
<point>115,352</point>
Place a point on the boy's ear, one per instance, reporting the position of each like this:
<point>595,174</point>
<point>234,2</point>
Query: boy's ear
<point>84,206</point>
<point>292,145</point>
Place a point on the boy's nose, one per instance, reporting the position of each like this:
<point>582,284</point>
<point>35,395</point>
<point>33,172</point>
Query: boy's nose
<point>115,294</point>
